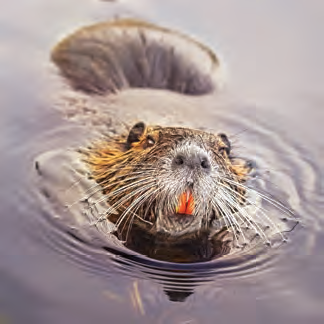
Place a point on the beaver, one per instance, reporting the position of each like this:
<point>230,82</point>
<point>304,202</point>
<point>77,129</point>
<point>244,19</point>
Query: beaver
<point>172,185</point>
<point>178,180</point>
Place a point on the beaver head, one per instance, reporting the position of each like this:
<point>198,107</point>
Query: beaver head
<point>174,180</point>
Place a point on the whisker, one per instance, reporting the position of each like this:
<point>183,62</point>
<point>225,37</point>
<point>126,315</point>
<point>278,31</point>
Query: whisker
<point>227,219</point>
<point>99,187</point>
<point>122,189</point>
<point>132,204</point>
<point>119,203</point>
<point>274,202</point>
<point>231,204</point>
<point>257,229</point>
<point>145,196</point>
<point>262,210</point>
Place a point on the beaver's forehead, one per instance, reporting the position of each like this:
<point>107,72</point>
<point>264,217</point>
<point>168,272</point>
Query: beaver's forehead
<point>182,133</point>
<point>172,139</point>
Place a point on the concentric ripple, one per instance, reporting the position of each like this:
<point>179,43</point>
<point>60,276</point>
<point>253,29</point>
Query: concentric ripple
<point>285,174</point>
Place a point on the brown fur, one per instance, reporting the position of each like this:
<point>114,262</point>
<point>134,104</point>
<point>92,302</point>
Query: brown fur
<point>117,158</point>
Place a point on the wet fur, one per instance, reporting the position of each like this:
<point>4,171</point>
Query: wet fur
<point>124,165</point>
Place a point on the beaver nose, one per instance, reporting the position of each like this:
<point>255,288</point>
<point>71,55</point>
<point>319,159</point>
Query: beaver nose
<point>192,160</point>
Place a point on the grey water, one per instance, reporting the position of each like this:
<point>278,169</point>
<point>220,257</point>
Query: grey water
<point>273,54</point>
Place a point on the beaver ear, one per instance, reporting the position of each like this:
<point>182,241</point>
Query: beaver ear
<point>223,143</point>
<point>135,134</point>
<point>242,167</point>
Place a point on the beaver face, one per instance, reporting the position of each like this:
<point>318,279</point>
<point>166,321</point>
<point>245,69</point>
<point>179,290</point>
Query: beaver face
<point>174,180</point>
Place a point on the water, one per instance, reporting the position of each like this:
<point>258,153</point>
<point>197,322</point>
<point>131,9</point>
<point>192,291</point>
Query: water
<point>50,272</point>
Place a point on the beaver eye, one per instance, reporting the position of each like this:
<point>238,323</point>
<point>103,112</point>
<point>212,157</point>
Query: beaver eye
<point>223,150</point>
<point>150,141</point>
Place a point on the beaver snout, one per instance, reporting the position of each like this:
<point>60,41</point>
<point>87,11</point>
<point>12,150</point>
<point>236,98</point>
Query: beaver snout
<point>191,158</point>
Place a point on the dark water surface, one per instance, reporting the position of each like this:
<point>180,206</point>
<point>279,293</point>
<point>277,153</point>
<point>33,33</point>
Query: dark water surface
<point>273,51</point>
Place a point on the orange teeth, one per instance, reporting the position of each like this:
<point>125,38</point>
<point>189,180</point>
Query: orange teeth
<point>186,204</point>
